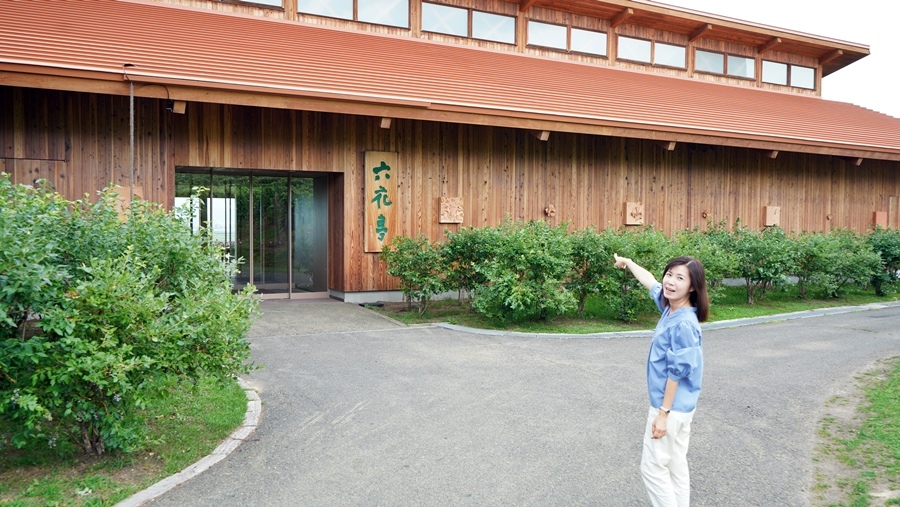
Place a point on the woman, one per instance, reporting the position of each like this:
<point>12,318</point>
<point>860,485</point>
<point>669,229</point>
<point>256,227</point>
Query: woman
<point>674,376</point>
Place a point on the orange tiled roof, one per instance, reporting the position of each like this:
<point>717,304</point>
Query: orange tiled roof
<point>204,48</point>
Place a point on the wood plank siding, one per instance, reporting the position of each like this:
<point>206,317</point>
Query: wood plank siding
<point>80,142</point>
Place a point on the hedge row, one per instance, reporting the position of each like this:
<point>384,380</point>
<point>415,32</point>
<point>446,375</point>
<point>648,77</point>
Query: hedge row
<point>98,312</point>
<point>531,271</point>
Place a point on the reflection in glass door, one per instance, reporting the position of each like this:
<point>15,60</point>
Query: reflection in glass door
<point>271,243</point>
<point>227,214</point>
<point>275,225</point>
<point>309,233</point>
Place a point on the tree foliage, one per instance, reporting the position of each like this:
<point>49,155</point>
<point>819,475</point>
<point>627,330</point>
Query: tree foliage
<point>652,250</point>
<point>719,261</point>
<point>765,258</point>
<point>590,264</point>
<point>464,252</point>
<point>830,261</point>
<point>886,243</point>
<point>532,271</point>
<point>525,276</point>
<point>98,310</point>
<point>419,266</point>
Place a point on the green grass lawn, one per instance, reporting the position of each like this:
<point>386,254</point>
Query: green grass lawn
<point>183,427</point>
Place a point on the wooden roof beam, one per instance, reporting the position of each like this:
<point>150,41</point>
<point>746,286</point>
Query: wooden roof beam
<point>526,5</point>
<point>830,56</point>
<point>668,145</point>
<point>700,31</point>
<point>621,17</point>
<point>541,135</point>
<point>772,154</point>
<point>176,106</point>
<point>769,45</point>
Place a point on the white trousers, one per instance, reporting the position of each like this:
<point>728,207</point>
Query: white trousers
<point>664,466</point>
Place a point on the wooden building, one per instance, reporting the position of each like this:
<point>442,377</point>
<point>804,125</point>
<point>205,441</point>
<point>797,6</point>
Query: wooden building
<point>323,128</point>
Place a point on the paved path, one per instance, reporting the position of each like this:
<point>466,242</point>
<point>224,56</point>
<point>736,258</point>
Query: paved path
<point>430,416</point>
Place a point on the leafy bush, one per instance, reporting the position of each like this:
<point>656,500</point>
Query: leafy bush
<point>886,243</point>
<point>648,247</point>
<point>526,274</point>
<point>708,247</point>
<point>530,271</point>
<point>98,312</point>
<point>463,252</point>
<point>418,264</point>
<point>591,263</point>
<point>831,260</point>
<point>765,258</point>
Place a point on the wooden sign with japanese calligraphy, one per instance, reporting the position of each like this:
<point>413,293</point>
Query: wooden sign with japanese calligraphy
<point>381,191</point>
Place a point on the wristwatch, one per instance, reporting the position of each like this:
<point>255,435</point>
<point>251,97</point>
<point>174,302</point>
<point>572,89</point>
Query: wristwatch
<point>664,409</point>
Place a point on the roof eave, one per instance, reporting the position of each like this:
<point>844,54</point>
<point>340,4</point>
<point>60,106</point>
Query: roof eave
<point>197,90</point>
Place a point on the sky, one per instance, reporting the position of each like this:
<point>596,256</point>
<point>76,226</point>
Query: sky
<point>872,82</point>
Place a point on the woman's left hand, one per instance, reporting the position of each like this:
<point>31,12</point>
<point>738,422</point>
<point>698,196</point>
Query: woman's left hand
<point>660,425</point>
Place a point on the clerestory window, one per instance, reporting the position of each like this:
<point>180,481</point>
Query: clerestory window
<point>566,38</point>
<point>651,52</point>
<point>721,63</point>
<point>379,12</point>
<point>465,22</point>
<point>786,74</point>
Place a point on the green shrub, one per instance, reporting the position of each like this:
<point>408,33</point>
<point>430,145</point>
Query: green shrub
<point>591,263</point>
<point>650,248</point>
<point>463,252</point>
<point>707,246</point>
<point>886,243</point>
<point>526,274</point>
<point>99,311</point>
<point>418,264</point>
<point>765,258</point>
<point>831,260</point>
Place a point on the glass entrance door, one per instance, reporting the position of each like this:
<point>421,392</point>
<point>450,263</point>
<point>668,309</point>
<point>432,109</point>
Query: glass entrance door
<point>276,225</point>
<point>271,241</point>
<point>309,234</point>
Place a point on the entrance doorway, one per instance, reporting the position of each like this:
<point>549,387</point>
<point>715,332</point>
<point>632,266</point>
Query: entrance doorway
<point>276,225</point>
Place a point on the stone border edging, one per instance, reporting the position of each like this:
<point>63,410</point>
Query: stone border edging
<point>251,421</point>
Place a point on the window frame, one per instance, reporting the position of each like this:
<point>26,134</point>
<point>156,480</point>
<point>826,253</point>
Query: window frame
<point>752,60</point>
<point>725,57</point>
<point>355,16</point>
<point>652,61</point>
<point>665,65</point>
<point>724,62</point>
<point>789,75</point>
<point>470,22</point>
<point>815,75</point>
<point>568,42</point>
<point>632,60</point>
<point>605,36</point>
<point>467,10</point>
<point>472,36</point>
<point>256,3</point>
